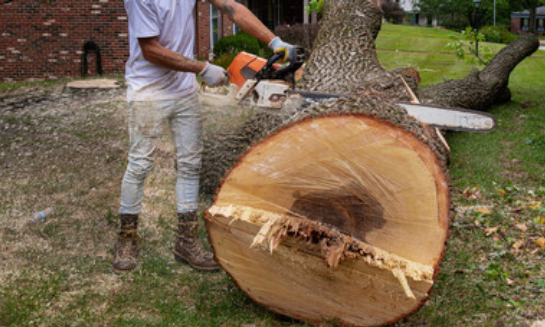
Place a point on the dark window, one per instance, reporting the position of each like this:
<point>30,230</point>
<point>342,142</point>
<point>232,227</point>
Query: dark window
<point>524,24</point>
<point>541,25</point>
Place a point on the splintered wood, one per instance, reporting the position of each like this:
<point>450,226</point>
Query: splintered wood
<point>335,246</point>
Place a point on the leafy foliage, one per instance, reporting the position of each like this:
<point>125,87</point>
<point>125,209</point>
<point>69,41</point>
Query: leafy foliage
<point>497,34</point>
<point>315,5</point>
<point>464,45</point>
<point>241,42</point>
<point>461,13</point>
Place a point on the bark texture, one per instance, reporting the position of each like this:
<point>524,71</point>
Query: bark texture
<point>482,89</point>
<point>344,61</point>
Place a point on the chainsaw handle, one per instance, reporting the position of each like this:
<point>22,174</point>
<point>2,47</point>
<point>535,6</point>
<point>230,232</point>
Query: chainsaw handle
<point>274,58</point>
<point>296,60</point>
<point>269,72</point>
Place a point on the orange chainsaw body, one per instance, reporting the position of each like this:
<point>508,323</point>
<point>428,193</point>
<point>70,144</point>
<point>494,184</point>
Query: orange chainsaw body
<point>244,67</point>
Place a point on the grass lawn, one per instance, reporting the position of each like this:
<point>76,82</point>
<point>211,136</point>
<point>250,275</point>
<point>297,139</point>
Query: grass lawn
<point>69,152</point>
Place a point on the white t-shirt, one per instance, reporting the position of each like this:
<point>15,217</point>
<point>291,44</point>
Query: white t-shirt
<point>173,21</point>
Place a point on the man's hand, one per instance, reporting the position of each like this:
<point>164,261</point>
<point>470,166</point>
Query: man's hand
<point>213,75</point>
<point>277,45</point>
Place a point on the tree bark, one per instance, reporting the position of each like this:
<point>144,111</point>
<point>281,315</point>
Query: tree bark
<point>533,20</point>
<point>482,89</point>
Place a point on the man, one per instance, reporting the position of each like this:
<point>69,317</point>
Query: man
<point>162,88</point>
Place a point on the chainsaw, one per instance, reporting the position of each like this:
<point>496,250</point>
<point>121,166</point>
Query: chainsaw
<point>267,85</point>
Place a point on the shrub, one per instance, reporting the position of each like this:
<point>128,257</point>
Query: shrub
<point>393,12</point>
<point>224,60</point>
<point>303,35</point>
<point>497,34</point>
<point>234,44</point>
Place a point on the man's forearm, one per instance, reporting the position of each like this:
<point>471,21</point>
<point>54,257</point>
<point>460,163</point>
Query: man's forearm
<point>245,19</point>
<point>164,57</point>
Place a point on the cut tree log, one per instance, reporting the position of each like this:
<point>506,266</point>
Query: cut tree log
<point>341,211</point>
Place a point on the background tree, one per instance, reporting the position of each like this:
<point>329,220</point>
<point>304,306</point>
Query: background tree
<point>459,14</point>
<point>393,12</point>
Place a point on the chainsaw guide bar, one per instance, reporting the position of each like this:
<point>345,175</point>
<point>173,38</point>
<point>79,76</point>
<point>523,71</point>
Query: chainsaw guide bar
<point>447,118</point>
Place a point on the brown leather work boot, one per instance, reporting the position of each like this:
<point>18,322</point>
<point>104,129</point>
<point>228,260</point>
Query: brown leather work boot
<point>188,248</point>
<point>126,249</point>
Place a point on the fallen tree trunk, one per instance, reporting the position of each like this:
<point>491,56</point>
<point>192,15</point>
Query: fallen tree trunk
<point>482,89</point>
<point>340,211</point>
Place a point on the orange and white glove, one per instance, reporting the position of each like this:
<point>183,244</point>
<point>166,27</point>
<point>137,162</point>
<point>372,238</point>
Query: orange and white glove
<point>277,45</point>
<point>214,75</point>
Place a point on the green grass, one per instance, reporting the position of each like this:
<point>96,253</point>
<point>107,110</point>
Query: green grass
<point>419,39</point>
<point>59,274</point>
<point>513,153</point>
<point>473,288</point>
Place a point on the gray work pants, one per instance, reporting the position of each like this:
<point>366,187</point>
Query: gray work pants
<point>146,121</point>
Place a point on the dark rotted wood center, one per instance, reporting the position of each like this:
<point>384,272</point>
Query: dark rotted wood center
<point>353,215</point>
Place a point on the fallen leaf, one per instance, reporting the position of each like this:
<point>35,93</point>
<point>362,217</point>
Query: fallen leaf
<point>541,220</point>
<point>534,205</point>
<point>509,282</point>
<point>501,192</point>
<point>491,230</point>
<point>541,242</point>
<point>518,245</point>
<point>484,210</point>
<point>539,323</point>
<point>477,223</point>
<point>472,193</point>
<point>521,227</point>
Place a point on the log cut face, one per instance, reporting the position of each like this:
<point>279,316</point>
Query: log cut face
<point>335,216</point>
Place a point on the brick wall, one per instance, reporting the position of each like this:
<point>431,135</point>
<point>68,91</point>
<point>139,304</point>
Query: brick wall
<point>203,47</point>
<point>45,41</point>
<point>227,28</point>
<point>516,25</point>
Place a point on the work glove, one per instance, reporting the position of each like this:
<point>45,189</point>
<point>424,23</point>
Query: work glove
<point>213,75</point>
<point>277,45</point>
